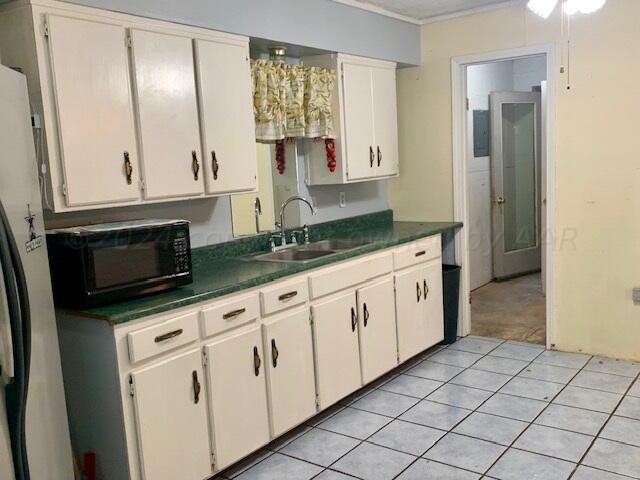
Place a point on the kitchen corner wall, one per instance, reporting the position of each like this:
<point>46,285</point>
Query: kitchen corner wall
<point>597,226</point>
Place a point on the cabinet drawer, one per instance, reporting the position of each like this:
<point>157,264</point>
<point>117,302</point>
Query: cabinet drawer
<point>168,335</point>
<point>229,314</point>
<point>339,277</point>
<point>284,295</point>
<point>417,252</point>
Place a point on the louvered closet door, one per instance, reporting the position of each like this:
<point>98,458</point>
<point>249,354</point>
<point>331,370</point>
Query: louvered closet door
<point>90,72</point>
<point>226,112</point>
<point>169,129</point>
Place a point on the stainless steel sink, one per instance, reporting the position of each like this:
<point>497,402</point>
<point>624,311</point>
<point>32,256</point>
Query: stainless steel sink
<point>308,253</point>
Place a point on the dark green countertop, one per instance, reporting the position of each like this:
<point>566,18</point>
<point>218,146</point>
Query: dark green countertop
<point>215,275</point>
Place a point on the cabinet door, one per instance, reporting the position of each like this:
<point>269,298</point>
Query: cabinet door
<point>167,114</point>
<point>385,119</point>
<point>226,113</point>
<point>238,396</point>
<point>433,303</point>
<point>377,329</point>
<point>335,328</point>
<point>289,363</point>
<point>90,72</point>
<point>358,121</point>
<point>410,313</point>
<point>171,419</point>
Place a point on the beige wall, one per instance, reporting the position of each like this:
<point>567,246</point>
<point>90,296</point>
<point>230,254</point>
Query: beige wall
<point>597,158</point>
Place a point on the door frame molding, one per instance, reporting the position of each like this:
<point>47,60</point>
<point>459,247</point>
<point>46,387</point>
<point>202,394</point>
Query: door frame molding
<point>460,201</point>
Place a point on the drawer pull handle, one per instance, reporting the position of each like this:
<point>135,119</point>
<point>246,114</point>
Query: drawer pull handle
<point>234,313</point>
<point>287,296</point>
<point>418,292</point>
<point>354,319</point>
<point>257,362</point>
<point>366,314</point>
<point>196,387</point>
<point>425,288</point>
<point>274,353</point>
<point>420,253</point>
<point>168,336</point>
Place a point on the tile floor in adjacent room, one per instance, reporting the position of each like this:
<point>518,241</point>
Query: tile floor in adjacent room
<point>480,408</point>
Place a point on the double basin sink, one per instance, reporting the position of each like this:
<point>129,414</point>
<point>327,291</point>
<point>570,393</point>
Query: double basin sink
<point>309,252</point>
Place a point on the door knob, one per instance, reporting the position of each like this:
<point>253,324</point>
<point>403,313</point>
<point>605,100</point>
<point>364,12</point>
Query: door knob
<point>500,200</point>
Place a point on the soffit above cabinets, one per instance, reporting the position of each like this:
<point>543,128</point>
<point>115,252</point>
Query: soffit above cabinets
<point>423,11</point>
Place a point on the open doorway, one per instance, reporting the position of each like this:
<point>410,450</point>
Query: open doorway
<point>505,185</point>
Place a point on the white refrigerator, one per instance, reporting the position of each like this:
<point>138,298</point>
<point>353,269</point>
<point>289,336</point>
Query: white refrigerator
<point>34,433</point>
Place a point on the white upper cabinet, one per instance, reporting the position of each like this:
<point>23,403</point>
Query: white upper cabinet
<point>164,79</point>
<point>94,112</point>
<point>226,116</point>
<point>365,120</point>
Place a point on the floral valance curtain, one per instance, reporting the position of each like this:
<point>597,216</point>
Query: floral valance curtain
<point>292,101</point>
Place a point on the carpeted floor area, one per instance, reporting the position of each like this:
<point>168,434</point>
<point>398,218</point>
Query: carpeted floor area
<point>511,310</point>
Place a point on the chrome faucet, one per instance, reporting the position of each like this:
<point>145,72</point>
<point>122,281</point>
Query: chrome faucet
<point>280,225</point>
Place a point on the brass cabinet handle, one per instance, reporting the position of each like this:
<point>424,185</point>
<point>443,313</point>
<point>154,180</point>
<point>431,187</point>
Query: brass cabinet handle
<point>256,361</point>
<point>195,164</point>
<point>379,155</point>
<point>196,387</point>
<point>215,166</point>
<point>354,319</point>
<point>425,288</point>
<point>370,156</point>
<point>128,168</point>
<point>366,314</point>
<point>418,291</point>
<point>169,335</point>
<point>287,296</point>
<point>420,253</point>
<point>274,353</point>
<point>233,313</point>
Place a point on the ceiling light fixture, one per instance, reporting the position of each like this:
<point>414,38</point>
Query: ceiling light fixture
<point>542,7</point>
<point>583,6</point>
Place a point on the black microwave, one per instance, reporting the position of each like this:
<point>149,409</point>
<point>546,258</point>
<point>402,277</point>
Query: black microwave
<point>97,264</point>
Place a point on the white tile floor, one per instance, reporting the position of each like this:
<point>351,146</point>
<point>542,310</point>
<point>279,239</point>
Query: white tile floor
<point>480,408</point>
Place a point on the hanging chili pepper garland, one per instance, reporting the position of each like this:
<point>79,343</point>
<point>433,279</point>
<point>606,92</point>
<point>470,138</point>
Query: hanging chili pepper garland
<point>280,161</point>
<point>330,148</point>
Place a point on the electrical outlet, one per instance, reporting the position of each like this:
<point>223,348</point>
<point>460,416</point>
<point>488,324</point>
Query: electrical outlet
<point>343,199</point>
<point>636,296</point>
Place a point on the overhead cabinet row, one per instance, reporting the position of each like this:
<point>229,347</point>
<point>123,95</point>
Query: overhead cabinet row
<point>133,114</point>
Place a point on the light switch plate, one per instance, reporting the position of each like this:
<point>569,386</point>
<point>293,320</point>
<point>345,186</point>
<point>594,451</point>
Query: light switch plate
<point>636,296</point>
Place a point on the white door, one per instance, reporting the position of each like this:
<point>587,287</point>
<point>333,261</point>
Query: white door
<point>410,313</point>
<point>237,396</point>
<point>377,329</point>
<point>433,314</point>
<point>516,178</point>
<point>168,124</point>
<point>291,384</point>
<point>385,119</point>
<point>226,114</point>
<point>358,121</point>
<point>90,73</point>
<point>171,419</point>
<point>335,328</point>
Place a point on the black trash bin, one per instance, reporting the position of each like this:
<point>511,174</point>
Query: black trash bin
<point>451,293</point>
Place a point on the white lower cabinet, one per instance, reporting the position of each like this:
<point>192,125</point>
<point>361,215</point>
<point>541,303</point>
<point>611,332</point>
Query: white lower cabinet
<point>171,419</point>
<point>237,396</point>
<point>289,365</point>
<point>377,329</point>
<point>419,309</point>
<point>337,355</point>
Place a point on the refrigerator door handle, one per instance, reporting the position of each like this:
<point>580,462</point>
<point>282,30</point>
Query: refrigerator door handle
<point>6,347</point>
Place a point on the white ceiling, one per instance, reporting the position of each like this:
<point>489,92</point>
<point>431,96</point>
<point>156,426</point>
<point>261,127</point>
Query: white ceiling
<point>422,10</point>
